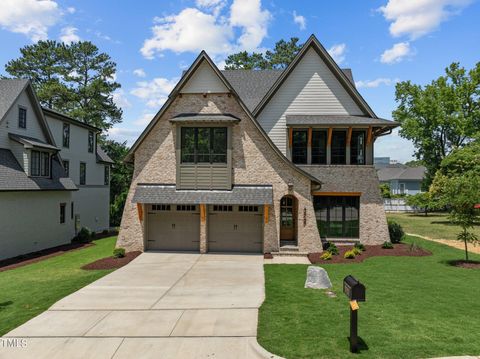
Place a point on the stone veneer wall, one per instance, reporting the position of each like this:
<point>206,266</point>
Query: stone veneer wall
<point>253,162</point>
<point>364,179</point>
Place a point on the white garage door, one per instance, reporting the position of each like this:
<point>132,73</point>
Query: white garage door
<point>173,227</point>
<point>235,229</point>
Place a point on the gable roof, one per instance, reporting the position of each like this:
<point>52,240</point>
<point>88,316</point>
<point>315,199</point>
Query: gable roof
<point>401,173</point>
<point>62,117</point>
<point>203,56</point>
<point>344,79</point>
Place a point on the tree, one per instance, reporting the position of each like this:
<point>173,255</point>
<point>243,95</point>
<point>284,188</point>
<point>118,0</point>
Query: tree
<point>279,58</point>
<point>75,79</point>
<point>421,201</point>
<point>385,190</point>
<point>440,116</point>
<point>120,179</point>
<point>414,163</point>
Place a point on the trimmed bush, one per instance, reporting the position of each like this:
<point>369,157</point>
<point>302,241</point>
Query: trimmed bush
<point>387,245</point>
<point>119,252</point>
<point>332,248</point>
<point>359,246</point>
<point>356,251</point>
<point>326,256</point>
<point>84,235</point>
<point>349,254</point>
<point>396,231</point>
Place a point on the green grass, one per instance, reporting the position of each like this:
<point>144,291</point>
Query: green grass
<point>417,307</point>
<point>27,291</point>
<point>435,225</point>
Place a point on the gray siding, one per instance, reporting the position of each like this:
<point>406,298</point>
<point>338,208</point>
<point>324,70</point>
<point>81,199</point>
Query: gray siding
<point>204,80</point>
<point>310,89</point>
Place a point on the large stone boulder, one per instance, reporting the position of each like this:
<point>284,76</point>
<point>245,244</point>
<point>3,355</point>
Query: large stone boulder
<point>317,278</point>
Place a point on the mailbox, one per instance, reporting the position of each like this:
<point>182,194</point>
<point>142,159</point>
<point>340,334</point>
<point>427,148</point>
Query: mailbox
<point>353,289</point>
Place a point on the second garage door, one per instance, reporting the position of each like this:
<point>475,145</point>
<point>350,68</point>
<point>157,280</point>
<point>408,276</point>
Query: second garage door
<point>235,229</point>
<point>173,227</point>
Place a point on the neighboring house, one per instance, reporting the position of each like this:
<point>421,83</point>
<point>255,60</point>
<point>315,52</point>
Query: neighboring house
<point>41,206</point>
<point>257,161</point>
<point>402,179</point>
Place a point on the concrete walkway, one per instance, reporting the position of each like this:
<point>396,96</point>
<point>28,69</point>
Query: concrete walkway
<point>161,305</point>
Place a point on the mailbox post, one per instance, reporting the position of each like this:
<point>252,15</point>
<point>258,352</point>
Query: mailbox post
<point>355,291</point>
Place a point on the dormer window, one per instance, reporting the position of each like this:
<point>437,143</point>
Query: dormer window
<point>40,164</point>
<point>22,117</point>
<point>204,145</point>
<point>91,141</point>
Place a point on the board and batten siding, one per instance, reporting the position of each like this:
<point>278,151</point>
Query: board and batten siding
<point>204,80</point>
<point>310,89</point>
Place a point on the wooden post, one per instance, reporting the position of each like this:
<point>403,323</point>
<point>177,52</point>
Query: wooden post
<point>290,137</point>
<point>329,137</point>
<point>140,211</point>
<point>369,135</point>
<point>265,213</point>
<point>310,137</point>
<point>203,213</point>
<point>349,136</point>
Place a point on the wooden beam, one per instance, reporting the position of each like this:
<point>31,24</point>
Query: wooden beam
<point>310,136</point>
<point>140,211</point>
<point>343,194</point>
<point>369,135</point>
<point>203,213</point>
<point>290,137</point>
<point>265,213</point>
<point>329,136</point>
<point>349,136</point>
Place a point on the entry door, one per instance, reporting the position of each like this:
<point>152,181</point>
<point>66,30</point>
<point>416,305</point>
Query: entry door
<point>287,219</point>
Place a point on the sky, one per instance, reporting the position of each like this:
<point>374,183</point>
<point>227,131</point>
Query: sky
<point>152,42</point>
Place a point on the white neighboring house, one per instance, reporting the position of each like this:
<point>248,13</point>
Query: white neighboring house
<point>41,206</point>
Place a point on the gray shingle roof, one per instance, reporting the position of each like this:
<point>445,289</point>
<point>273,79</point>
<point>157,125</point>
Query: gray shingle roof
<point>32,142</point>
<point>401,173</point>
<point>337,120</point>
<point>205,117</point>
<point>13,178</point>
<point>102,156</point>
<point>167,194</point>
<point>9,91</point>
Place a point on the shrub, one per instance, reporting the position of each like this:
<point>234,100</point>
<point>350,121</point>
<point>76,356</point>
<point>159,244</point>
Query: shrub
<point>387,245</point>
<point>359,246</point>
<point>357,251</point>
<point>396,232</point>
<point>326,256</point>
<point>119,252</point>
<point>414,247</point>
<point>332,248</point>
<point>84,235</point>
<point>349,254</point>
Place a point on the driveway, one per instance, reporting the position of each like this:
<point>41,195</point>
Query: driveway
<point>161,305</point>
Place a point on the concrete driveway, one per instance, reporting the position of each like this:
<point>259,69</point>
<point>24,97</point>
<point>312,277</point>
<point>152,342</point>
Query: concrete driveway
<point>161,305</point>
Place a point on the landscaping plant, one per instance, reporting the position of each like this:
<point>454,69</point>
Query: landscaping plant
<point>349,254</point>
<point>360,246</point>
<point>332,248</point>
<point>395,231</point>
<point>326,256</point>
<point>119,252</point>
<point>387,245</point>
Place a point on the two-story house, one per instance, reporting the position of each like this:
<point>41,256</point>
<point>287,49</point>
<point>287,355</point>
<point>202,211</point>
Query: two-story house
<point>43,200</point>
<point>257,161</point>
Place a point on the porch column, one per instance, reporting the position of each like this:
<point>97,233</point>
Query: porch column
<point>203,229</point>
<point>329,146</point>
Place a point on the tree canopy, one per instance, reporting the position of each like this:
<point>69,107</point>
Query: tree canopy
<point>75,79</point>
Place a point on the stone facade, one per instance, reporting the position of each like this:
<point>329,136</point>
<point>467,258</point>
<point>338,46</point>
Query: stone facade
<point>364,179</point>
<point>254,162</point>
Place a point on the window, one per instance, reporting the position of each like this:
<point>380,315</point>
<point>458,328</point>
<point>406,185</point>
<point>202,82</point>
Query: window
<point>248,208</point>
<point>91,141</point>
<point>286,212</point>
<point>299,146</point>
<point>62,212</point>
<point>186,207</point>
<point>83,173</point>
<point>319,147</point>
<point>106,175</point>
<point>160,207</point>
<point>339,142</point>
<point>40,164</point>
<point>66,166</point>
<point>221,208</point>
<point>337,216</point>
<point>203,145</point>
<point>71,210</point>
<point>66,135</point>
<point>22,117</point>
<point>357,148</point>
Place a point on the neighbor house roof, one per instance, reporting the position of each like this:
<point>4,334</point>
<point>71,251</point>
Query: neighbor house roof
<point>401,173</point>
<point>167,193</point>
<point>10,89</point>
<point>14,178</point>
<point>31,142</point>
<point>102,156</point>
<point>66,118</point>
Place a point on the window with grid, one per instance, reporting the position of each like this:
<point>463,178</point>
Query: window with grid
<point>299,146</point>
<point>203,145</point>
<point>338,216</point>
<point>22,117</point>
<point>40,164</point>
<point>83,173</point>
<point>357,148</point>
<point>248,208</point>
<point>339,147</point>
<point>186,207</point>
<point>319,147</point>
<point>160,207</point>
<point>222,208</point>
<point>66,135</point>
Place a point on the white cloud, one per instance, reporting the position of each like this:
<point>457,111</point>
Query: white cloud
<point>375,83</point>
<point>29,17</point>
<point>396,54</point>
<point>120,99</point>
<point>300,20</point>
<point>419,17</point>
<point>139,72</point>
<point>192,29</point>
<point>144,119</point>
<point>395,147</point>
<point>68,35</point>
<point>338,52</point>
<point>122,134</point>
<point>71,10</point>
<point>154,92</point>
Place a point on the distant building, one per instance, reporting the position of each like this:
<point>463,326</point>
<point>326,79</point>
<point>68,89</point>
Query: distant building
<point>402,179</point>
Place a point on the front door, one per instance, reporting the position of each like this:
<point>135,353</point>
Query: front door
<point>288,218</point>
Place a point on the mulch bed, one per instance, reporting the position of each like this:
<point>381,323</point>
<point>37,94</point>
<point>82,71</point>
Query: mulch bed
<point>465,264</point>
<point>398,250</point>
<point>112,262</point>
<point>23,260</point>
<point>268,256</point>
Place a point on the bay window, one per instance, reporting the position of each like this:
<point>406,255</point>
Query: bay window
<point>203,145</point>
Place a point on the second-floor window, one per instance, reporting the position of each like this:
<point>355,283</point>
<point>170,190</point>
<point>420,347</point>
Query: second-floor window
<point>91,141</point>
<point>357,148</point>
<point>319,147</point>
<point>106,176</point>
<point>299,146</point>
<point>66,166</point>
<point>203,145</point>
<point>66,135</point>
<point>40,164</point>
<point>83,173</point>
<point>22,117</point>
<point>339,147</point>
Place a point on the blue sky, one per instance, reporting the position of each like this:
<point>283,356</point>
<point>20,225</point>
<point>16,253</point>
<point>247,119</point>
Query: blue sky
<point>383,41</point>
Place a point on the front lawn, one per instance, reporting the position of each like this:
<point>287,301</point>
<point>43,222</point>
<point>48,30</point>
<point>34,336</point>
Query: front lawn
<point>435,225</point>
<point>27,291</point>
<point>417,307</point>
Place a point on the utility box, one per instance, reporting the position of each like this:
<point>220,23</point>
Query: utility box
<point>353,289</point>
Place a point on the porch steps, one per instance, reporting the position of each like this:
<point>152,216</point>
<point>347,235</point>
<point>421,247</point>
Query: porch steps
<point>289,250</point>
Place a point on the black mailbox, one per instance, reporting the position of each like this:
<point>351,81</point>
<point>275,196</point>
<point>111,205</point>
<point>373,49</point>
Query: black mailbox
<point>353,289</point>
